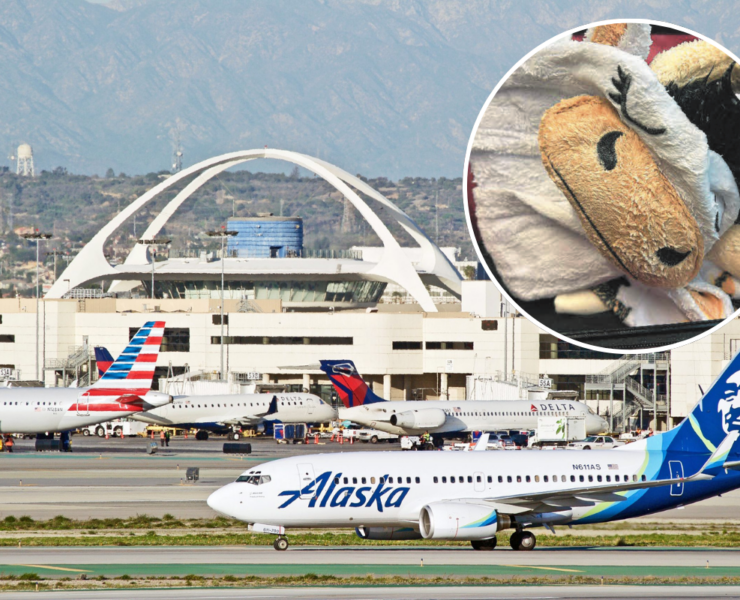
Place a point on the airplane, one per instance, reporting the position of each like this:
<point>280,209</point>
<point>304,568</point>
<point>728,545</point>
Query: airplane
<point>123,390</point>
<point>228,413</point>
<point>473,495</point>
<point>443,418</point>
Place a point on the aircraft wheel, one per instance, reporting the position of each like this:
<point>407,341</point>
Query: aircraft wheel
<point>524,540</point>
<point>236,435</point>
<point>201,435</point>
<point>280,544</point>
<point>483,544</point>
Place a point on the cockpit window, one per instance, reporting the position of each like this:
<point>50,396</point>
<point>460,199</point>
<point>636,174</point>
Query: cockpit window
<point>591,411</point>
<point>254,478</point>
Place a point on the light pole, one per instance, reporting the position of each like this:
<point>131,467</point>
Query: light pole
<point>154,242</point>
<point>37,237</point>
<point>222,233</point>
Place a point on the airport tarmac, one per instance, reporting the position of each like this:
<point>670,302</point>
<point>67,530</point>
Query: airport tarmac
<point>117,477</point>
<point>400,593</point>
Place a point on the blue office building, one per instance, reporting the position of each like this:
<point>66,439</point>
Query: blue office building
<point>266,237</point>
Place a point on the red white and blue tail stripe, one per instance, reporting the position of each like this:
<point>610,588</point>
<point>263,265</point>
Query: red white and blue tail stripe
<point>131,374</point>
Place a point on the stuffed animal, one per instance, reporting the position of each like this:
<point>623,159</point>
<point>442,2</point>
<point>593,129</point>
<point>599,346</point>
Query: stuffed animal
<point>609,185</point>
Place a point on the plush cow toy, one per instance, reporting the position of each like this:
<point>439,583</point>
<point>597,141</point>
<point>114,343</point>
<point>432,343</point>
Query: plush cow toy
<point>608,184</point>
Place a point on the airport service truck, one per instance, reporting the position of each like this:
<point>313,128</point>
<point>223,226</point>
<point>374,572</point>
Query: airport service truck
<point>558,431</point>
<point>116,427</point>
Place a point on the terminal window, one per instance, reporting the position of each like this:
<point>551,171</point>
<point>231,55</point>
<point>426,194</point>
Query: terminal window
<point>449,346</point>
<point>175,339</point>
<point>217,319</point>
<point>258,340</point>
<point>7,339</point>
<point>407,345</point>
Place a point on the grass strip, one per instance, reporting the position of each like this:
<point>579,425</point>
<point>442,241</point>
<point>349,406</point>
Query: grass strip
<point>243,538</point>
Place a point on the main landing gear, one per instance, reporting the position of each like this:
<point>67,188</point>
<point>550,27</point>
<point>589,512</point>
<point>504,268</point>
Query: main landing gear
<point>281,543</point>
<point>522,540</point>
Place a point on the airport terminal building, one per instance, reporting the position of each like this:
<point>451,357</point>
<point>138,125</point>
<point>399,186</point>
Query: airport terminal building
<point>285,309</point>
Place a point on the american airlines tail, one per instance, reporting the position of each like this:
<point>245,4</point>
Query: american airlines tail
<point>352,389</point>
<point>132,373</point>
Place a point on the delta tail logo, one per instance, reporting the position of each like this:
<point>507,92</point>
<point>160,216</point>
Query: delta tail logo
<point>350,387</point>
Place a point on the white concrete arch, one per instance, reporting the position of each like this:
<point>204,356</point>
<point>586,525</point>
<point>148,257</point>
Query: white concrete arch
<point>394,265</point>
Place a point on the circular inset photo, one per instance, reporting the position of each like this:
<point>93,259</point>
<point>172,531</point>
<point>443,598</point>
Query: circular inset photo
<point>603,186</point>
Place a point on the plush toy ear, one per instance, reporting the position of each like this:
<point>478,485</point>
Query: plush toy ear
<point>629,210</point>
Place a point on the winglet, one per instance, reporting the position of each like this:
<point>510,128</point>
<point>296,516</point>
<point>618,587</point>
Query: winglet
<point>716,462</point>
<point>482,444</point>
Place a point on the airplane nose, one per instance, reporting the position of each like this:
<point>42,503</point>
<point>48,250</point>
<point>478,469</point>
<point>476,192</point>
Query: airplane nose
<point>219,501</point>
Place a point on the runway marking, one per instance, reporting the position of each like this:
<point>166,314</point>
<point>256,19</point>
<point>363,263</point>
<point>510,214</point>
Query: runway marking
<point>56,568</point>
<point>543,568</point>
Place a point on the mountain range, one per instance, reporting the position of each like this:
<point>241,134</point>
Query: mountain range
<point>380,87</point>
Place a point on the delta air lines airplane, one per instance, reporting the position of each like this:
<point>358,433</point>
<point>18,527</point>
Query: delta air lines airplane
<point>123,390</point>
<point>473,495</point>
<point>444,418</point>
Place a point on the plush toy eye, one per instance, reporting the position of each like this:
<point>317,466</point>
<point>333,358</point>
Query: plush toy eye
<point>606,150</point>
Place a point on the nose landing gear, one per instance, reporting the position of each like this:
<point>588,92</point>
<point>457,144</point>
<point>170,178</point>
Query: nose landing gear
<point>523,540</point>
<point>281,543</point>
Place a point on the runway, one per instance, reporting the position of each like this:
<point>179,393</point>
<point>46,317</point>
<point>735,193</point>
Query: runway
<point>399,593</point>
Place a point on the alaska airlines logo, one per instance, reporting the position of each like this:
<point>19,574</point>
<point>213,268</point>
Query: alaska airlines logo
<point>730,406</point>
<point>320,494</point>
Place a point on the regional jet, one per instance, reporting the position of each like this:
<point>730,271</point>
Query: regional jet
<point>124,389</point>
<point>443,418</point>
<point>228,413</point>
<point>473,495</point>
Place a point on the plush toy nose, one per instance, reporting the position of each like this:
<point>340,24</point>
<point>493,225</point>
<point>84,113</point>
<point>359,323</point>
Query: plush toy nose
<point>671,257</point>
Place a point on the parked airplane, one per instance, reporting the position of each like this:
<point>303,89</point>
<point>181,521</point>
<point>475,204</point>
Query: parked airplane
<point>473,495</point>
<point>443,417</point>
<point>123,390</point>
<point>230,412</point>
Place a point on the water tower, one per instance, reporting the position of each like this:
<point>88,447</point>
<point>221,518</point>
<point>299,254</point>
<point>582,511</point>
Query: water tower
<point>25,161</point>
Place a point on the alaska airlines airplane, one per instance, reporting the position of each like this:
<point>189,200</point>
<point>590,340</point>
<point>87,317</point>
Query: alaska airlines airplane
<point>473,495</point>
<point>124,389</point>
<point>231,412</point>
<point>440,417</point>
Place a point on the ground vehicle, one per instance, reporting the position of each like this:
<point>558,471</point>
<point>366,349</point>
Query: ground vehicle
<point>290,432</point>
<point>596,442</point>
<point>115,428</point>
<point>558,431</point>
<point>374,436</point>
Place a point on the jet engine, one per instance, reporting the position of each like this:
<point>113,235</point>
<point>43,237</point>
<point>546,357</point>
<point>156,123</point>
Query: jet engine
<point>156,399</point>
<point>425,418</point>
<point>460,521</point>
<point>387,533</point>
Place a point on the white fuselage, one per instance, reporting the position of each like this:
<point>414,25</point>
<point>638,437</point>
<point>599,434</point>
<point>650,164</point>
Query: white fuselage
<point>240,409</point>
<point>348,491</point>
<point>42,410</point>
<point>467,416</point>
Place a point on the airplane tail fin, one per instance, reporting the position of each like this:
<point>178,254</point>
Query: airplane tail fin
<point>714,418</point>
<point>352,389</point>
<point>103,359</point>
<point>131,374</point>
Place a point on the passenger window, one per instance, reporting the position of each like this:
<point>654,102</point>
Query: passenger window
<point>634,478</point>
<point>444,479</point>
<point>336,480</point>
<point>364,481</point>
<point>346,480</point>
<point>644,477</point>
<point>580,478</point>
<point>528,479</point>
<point>598,478</point>
<point>500,479</point>
<point>591,478</point>
<point>354,480</point>
<point>390,480</point>
<point>490,479</point>
<point>573,478</point>
<point>518,478</point>
<point>546,479</point>
<point>477,478</point>
<point>372,480</point>
<point>536,478</point>
<point>408,480</point>
<point>418,480</point>
<point>434,479</point>
<point>470,479</point>
<point>508,478</point>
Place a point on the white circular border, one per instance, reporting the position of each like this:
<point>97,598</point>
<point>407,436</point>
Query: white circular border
<point>466,168</point>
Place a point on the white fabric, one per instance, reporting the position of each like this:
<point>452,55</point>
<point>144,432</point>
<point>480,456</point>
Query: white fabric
<point>526,224</point>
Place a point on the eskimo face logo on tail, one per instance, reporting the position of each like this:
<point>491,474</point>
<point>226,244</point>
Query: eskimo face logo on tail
<point>326,490</point>
<point>729,406</point>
